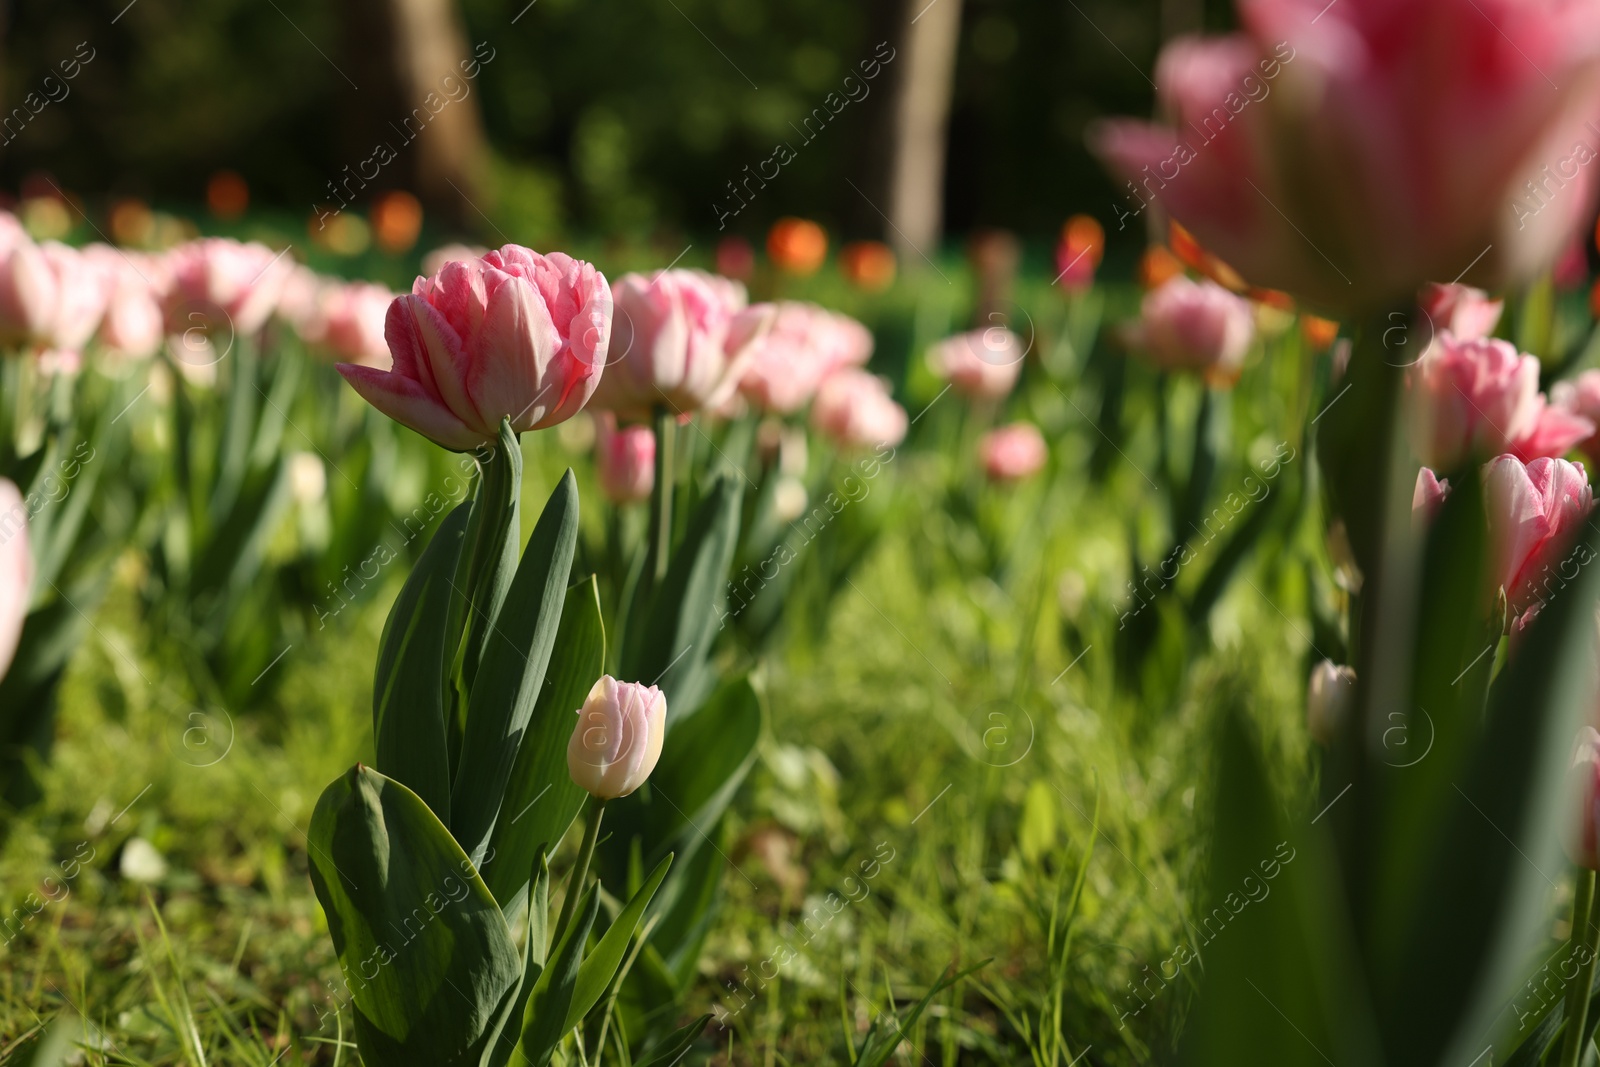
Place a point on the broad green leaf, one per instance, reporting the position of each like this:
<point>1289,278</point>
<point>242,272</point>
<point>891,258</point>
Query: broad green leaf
<point>670,645</point>
<point>408,689</point>
<point>541,800</point>
<point>546,1017</point>
<point>1277,987</point>
<point>515,655</point>
<point>424,948</point>
<point>600,966</point>
<point>508,1023</point>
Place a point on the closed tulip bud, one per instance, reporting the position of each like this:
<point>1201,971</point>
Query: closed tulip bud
<point>1329,698</point>
<point>624,459</point>
<point>1013,452</point>
<point>1536,512</point>
<point>1428,496</point>
<point>618,738</point>
<point>1583,790</point>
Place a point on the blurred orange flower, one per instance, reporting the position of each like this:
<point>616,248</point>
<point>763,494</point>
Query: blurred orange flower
<point>867,265</point>
<point>1083,242</point>
<point>1319,333</point>
<point>396,221</point>
<point>1158,266</point>
<point>227,195</point>
<point>797,246</point>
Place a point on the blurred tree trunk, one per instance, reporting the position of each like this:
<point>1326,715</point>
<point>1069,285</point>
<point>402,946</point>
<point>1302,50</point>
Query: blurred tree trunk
<point>409,59</point>
<point>919,116</point>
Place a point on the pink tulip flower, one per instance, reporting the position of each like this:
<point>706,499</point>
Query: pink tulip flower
<point>16,571</point>
<point>1013,452</point>
<point>1349,152</point>
<point>223,285</point>
<point>302,303</point>
<point>513,335</point>
<point>624,459</point>
<point>804,346</point>
<point>1581,397</point>
<point>30,293</point>
<point>982,364</point>
<point>355,314</point>
<point>1200,326</point>
<point>1471,399</point>
<point>133,325</point>
<point>1466,312</point>
<point>1535,511</point>
<point>617,740</point>
<point>854,409</point>
<point>1429,495</point>
<point>682,338</point>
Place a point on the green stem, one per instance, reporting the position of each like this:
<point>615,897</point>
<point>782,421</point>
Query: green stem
<point>662,546</point>
<point>1583,934</point>
<point>580,873</point>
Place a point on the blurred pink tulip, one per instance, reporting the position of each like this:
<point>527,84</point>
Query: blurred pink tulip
<point>1581,396</point>
<point>804,346</point>
<point>16,571</point>
<point>982,364</point>
<point>30,293</point>
<point>1200,326</point>
<point>1583,792</point>
<point>1535,512</point>
<point>1013,452</point>
<point>1429,495</point>
<point>1349,152</point>
<point>133,325</point>
<point>219,284</point>
<point>81,284</point>
<point>681,340</point>
<point>302,304</point>
<point>513,335</point>
<point>355,314</point>
<point>624,459</point>
<point>1472,399</point>
<point>1466,312</point>
<point>854,409</point>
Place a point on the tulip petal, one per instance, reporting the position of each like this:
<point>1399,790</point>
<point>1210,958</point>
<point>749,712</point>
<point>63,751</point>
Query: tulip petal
<point>407,402</point>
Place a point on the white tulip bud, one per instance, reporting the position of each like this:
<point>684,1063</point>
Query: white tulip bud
<point>1328,700</point>
<point>618,738</point>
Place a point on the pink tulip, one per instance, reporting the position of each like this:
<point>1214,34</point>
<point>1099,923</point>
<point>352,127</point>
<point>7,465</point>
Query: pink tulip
<point>854,409</point>
<point>30,293</point>
<point>1471,399</point>
<point>302,303</point>
<point>617,740</point>
<point>1188,325</point>
<point>1466,312</point>
<point>219,284</point>
<point>1581,397</point>
<point>682,338</point>
<point>1348,152</point>
<point>624,459</point>
<point>16,571</point>
<point>982,364</point>
<point>513,335</point>
<point>133,325</point>
<point>355,314</point>
<point>1583,791</point>
<point>805,345</point>
<point>81,290</point>
<point>1429,495</point>
<point>1013,452</point>
<point>1536,511</point>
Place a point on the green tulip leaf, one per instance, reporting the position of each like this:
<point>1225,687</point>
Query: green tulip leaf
<point>545,1021</point>
<point>516,653</point>
<point>676,1044</point>
<point>424,948</point>
<point>601,964</point>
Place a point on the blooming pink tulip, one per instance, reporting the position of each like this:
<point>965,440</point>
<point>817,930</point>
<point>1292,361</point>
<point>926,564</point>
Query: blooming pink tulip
<point>1466,312</point>
<point>355,315</point>
<point>219,284</point>
<point>1470,399</point>
<point>81,291</point>
<point>1429,495</point>
<point>16,571</point>
<point>983,364</point>
<point>302,303</point>
<point>133,325</point>
<point>805,345</point>
<point>1013,452</point>
<point>1583,791</point>
<point>1188,325</point>
<point>854,409</point>
<point>513,335</point>
<point>1349,152</point>
<point>624,459</point>
<point>1536,511</point>
<point>682,338</point>
<point>617,740</point>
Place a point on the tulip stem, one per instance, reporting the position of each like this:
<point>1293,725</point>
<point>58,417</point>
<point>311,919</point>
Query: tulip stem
<point>580,873</point>
<point>665,431</point>
<point>1582,937</point>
